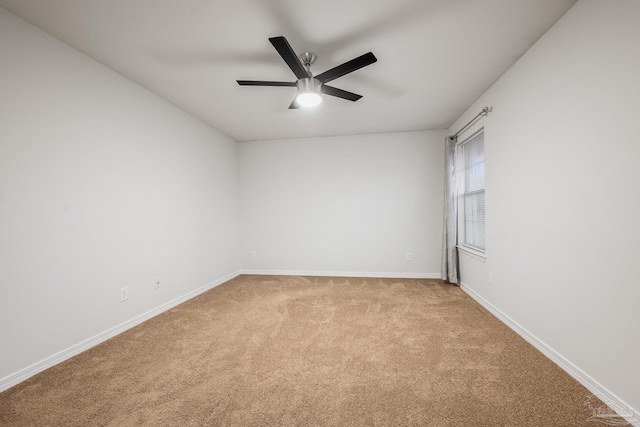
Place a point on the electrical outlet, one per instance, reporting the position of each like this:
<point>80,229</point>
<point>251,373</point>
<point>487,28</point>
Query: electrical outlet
<point>157,283</point>
<point>124,294</point>
<point>254,255</point>
<point>490,279</point>
<point>409,256</point>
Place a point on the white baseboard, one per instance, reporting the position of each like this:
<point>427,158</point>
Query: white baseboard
<point>377,275</point>
<point>16,378</point>
<point>614,402</point>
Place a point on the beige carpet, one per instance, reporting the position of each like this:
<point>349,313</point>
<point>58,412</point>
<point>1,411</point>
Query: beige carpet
<point>308,351</point>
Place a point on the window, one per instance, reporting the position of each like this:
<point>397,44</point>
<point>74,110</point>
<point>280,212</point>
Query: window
<point>470,166</point>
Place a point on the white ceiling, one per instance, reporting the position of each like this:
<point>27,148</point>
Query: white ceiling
<point>435,57</point>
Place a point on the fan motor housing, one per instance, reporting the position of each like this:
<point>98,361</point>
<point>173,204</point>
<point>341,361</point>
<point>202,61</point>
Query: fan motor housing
<point>309,85</point>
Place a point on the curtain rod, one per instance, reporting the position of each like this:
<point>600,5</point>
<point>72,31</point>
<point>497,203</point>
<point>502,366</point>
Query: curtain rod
<point>484,112</point>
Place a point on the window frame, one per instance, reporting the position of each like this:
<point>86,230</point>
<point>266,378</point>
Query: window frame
<point>461,193</point>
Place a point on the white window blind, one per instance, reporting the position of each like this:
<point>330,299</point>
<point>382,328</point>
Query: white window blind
<point>472,192</point>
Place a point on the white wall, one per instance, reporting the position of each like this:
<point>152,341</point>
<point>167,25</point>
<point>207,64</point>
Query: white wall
<point>102,185</point>
<point>343,205</point>
<point>563,199</point>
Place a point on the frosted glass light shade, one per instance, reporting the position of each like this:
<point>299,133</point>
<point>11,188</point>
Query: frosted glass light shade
<point>308,99</point>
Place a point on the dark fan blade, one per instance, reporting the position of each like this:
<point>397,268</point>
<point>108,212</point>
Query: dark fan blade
<point>286,52</point>
<point>294,104</point>
<point>347,67</point>
<point>263,83</point>
<point>334,91</point>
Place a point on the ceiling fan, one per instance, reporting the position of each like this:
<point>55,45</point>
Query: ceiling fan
<point>309,86</point>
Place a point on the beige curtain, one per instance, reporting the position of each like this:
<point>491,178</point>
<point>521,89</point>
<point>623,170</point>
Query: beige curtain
<point>449,268</point>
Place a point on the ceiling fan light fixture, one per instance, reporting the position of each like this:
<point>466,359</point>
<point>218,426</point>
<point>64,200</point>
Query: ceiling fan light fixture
<point>310,88</point>
<point>308,93</point>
